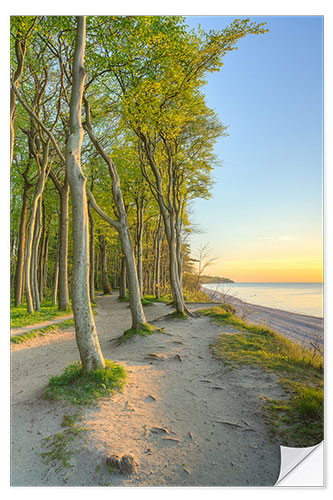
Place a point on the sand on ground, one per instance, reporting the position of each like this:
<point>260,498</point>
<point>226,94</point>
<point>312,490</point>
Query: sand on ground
<point>188,419</point>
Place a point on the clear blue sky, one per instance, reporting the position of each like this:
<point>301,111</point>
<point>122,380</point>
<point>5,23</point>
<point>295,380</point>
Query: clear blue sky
<point>267,200</point>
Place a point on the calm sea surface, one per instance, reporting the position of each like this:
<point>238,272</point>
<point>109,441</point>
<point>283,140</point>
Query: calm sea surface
<point>303,298</point>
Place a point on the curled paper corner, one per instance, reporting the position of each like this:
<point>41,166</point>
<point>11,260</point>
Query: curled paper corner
<point>302,466</point>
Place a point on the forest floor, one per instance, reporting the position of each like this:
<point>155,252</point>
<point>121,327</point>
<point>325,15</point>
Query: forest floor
<point>188,419</point>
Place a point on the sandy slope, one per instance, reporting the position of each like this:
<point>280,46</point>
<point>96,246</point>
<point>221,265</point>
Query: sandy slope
<point>297,327</point>
<point>186,418</point>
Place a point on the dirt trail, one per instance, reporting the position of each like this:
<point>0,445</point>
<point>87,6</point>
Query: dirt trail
<point>25,329</point>
<point>186,418</point>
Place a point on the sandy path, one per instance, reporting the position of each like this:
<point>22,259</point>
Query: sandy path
<point>213,432</point>
<point>25,329</point>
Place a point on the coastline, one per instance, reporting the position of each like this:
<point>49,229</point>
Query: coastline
<point>295,326</point>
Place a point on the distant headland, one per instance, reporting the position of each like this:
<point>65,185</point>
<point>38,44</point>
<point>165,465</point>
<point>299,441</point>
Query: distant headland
<point>214,279</point>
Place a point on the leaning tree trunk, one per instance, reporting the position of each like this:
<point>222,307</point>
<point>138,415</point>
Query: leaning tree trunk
<point>85,329</point>
<point>21,246</point>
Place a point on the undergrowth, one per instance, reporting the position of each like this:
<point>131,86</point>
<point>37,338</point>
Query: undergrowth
<point>298,419</point>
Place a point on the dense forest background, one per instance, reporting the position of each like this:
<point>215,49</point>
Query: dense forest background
<point>111,140</point>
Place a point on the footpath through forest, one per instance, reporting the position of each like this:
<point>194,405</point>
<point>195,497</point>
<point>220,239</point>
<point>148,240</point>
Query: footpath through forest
<point>186,418</point>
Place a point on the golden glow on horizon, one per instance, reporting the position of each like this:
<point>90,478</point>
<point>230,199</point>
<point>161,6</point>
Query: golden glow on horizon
<point>297,270</point>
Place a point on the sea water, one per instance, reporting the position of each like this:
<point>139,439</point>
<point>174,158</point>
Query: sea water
<point>303,298</point>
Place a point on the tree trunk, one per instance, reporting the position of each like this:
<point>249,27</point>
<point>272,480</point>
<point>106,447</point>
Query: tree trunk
<point>158,263</point>
<point>91,256</point>
<point>56,276</point>
<point>140,214</point>
<point>138,316</point>
<point>41,253</point>
<point>34,258</point>
<point>21,245</point>
<point>63,296</point>
<point>38,192</point>
<point>122,284</point>
<point>105,278</point>
<point>46,260</point>
<point>85,329</point>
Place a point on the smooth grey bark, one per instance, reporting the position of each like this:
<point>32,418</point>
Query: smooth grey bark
<point>63,294</point>
<point>63,191</point>
<point>37,194</point>
<point>122,283</point>
<point>121,225</point>
<point>56,276</point>
<point>138,316</point>
<point>21,244</point>
<point>168,215</point>
<point>157,287</point>
<point>34,259</point>
<point>140,228</point>
<point>85,329</point>
<point>105,278</point>
<point>41,251</point>
<point>91,255</point>
<point>46,259</point>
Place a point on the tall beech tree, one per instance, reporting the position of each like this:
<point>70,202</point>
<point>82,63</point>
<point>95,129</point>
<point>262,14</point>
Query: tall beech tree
<point>85,329</point>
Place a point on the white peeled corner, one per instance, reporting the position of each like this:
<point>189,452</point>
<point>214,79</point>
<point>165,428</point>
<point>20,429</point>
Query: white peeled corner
<point>302,466</point>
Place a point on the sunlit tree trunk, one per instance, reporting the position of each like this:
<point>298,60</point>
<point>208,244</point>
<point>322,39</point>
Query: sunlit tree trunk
<point>85,329</point>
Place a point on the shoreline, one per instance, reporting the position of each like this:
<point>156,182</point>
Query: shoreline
<point>295,326</point>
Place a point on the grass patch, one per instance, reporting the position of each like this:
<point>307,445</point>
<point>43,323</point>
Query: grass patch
<point>60,447</point>
<point>298,420</point>
<point>147,300</point>
<point>41,332</point>
<point>20,317</point>
<point>177,315</point>
<point>84,389</point>
<point>143,330</point>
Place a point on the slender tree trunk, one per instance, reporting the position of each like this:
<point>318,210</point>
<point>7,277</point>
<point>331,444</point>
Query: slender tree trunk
<point>105,278</point>
<point>63,296</point>
<point>21,246</point>
<point>34,259</point>
<point>91,256</point>
<point>38,192</point>
<point>122,284</point>
<point>41,253</point>
<point>140,214</point>
<point>85,329</point>
<point>46,260</point>
<point>56,276</point>
<point>138,316</point>
<point>158,263</point>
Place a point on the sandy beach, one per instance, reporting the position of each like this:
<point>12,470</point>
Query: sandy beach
<point>297,327</point>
